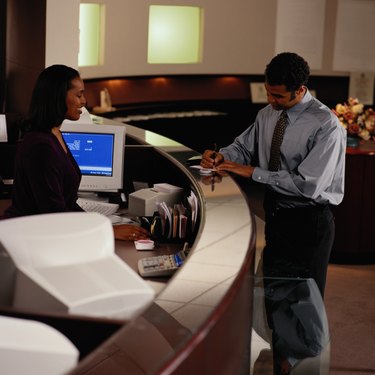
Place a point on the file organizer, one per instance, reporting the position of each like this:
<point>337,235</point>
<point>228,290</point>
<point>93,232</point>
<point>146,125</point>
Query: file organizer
<point>165,212</point>
<point>30,347</point>
<point>66,262</point>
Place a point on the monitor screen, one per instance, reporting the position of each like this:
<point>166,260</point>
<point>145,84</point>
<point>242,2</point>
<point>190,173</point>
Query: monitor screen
<point>99,153</point>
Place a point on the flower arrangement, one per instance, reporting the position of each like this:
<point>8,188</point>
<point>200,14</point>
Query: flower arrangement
<point>358,121</point>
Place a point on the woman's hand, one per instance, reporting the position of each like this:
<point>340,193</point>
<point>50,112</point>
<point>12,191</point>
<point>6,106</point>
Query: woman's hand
<point>130,232</point>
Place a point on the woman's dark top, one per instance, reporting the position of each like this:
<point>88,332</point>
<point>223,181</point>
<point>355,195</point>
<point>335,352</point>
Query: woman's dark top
<point>46,178</point>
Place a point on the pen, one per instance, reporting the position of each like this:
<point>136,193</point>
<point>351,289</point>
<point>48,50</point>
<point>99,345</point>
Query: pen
<point>213,156</point>
<point>213,167</point>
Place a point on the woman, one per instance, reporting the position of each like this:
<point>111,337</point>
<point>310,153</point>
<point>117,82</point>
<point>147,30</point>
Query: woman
<point>46,175</point>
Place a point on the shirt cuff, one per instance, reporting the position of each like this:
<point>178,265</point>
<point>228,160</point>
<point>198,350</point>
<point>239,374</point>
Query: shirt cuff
<point>260,175</point>
<point>265,177</point>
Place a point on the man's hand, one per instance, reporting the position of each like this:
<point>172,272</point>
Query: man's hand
<point>236,168</point>
<point>211,159</point>
<point>215,178</point>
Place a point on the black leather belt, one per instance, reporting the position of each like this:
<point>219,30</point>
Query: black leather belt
<point>276,202</point>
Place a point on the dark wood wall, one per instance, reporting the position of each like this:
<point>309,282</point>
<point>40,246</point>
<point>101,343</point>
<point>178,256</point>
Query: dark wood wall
<point>2,52</point>
<point>354,240</point>
<point>141,91</point>
<point>24,51</point>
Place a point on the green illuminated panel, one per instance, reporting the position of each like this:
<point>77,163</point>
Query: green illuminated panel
<point>90,34</point>
<point>174,35</point>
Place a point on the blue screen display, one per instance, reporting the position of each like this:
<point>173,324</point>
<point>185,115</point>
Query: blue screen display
<point>93,152</point>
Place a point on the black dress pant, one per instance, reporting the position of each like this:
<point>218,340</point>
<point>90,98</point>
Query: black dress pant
<point>299,243</point>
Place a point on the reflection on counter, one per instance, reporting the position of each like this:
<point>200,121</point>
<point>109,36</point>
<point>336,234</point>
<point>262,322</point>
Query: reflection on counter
<point>289,315</point>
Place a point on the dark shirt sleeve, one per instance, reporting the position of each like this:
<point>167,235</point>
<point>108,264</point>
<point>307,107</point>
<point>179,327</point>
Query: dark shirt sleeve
<point>43,169</point>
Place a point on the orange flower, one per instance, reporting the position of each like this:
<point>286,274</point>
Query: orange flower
<point>357,121</point>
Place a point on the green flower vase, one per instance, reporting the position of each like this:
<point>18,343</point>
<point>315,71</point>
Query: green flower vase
<point>352,141</point>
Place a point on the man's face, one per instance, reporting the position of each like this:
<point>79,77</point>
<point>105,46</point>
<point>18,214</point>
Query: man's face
<point>281,99</point>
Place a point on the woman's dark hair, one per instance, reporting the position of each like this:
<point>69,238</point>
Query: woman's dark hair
<point>287,69</point>
<point>48,100</point>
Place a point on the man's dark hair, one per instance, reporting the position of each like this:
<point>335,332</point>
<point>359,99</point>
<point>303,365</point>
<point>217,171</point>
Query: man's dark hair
<point>287,69</point>
<point>48,101</point>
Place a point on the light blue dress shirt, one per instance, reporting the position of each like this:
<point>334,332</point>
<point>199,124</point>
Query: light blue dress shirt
<point>312,152</point>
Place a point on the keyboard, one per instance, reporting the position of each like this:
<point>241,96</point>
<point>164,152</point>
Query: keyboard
<point>100,207</point>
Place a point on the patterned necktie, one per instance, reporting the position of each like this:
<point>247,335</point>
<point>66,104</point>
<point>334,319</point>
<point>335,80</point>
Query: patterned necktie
<point>277,139</point>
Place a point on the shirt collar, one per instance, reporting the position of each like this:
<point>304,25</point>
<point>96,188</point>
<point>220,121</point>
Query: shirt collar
<point>296,110</point>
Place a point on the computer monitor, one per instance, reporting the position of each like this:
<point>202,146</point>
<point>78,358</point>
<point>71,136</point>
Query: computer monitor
<point>99,152</point>
<point>28,346</point>
<point>65,262</point>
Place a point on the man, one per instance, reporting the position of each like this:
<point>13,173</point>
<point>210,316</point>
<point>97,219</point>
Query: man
<point>306,178</point>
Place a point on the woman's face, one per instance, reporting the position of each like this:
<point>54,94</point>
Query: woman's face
<point>75,100</point>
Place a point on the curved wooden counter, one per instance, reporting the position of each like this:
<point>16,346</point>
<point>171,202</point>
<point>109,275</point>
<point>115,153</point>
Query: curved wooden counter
<point>200,322</point>
<point>201,319</point>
